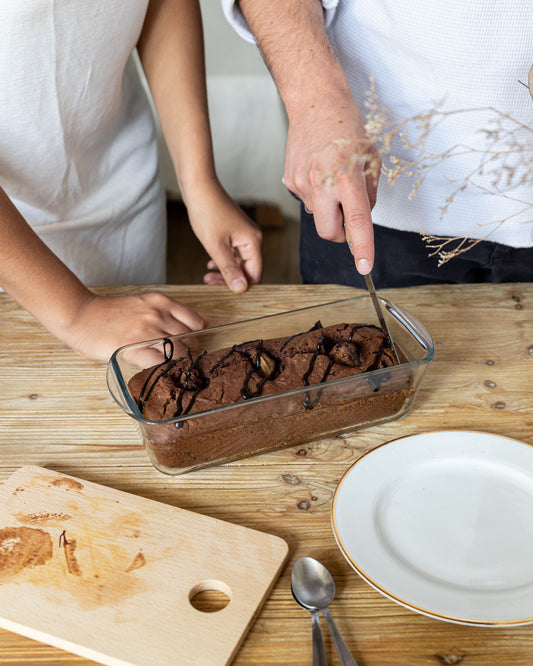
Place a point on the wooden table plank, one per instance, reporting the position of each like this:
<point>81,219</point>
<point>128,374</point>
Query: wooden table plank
<point>56,412</point>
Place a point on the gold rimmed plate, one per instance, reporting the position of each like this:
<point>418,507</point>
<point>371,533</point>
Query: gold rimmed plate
<point>442,523</point>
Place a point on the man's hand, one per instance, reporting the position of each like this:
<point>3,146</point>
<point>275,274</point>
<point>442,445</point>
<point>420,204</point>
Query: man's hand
<point>333,168</point>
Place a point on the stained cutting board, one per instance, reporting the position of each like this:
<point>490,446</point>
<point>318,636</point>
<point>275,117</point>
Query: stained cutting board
<point>109,576</point>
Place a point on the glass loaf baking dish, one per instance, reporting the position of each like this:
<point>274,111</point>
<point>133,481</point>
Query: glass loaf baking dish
<point>269,422</point>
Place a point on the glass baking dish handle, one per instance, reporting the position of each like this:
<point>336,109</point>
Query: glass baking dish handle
<point>118,390</point>
<point>415,327</point>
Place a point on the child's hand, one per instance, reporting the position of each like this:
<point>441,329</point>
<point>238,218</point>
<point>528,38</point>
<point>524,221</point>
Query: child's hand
<point>232,241</point>
<point>105,323</point>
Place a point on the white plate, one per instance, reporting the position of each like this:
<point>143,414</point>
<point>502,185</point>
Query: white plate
<point>442,523</point>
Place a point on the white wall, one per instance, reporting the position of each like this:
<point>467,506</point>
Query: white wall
<point>226,52</point>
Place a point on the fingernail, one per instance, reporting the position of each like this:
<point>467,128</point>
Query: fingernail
<point>239,284</point>
<point>363,266</point>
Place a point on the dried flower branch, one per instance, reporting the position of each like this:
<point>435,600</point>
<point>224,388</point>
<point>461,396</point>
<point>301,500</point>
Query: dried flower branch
<point>504,159</point>
<point>439,245</point>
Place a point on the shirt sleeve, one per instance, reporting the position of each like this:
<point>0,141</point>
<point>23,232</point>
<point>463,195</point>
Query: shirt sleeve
<point>236,19</point>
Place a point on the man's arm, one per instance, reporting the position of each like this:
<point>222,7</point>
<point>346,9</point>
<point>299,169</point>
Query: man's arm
<point>326,138</point>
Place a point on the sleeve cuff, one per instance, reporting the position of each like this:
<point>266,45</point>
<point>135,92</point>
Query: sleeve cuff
<point>236,19</point>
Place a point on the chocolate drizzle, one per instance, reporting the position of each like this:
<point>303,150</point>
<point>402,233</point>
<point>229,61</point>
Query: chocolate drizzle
<point>255,367</point>
<point>358,326</point>
<point>377,362</point>
<point>317,325</point>
<point>308,403</point>
<point>147,388</point>
<point>191,379</point>
<point>190,376</point>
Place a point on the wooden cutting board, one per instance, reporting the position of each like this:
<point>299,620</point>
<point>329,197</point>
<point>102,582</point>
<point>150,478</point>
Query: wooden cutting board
<point>110,576</point>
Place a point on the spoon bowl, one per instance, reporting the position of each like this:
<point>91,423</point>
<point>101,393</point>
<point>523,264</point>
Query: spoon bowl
<point>312,583</point>
<point>313,588</point>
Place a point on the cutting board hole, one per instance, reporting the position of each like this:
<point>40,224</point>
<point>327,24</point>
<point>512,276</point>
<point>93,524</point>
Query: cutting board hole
<point>210,596</point>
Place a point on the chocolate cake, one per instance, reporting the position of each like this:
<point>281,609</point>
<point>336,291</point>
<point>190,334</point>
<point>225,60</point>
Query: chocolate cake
<point>299,366</point>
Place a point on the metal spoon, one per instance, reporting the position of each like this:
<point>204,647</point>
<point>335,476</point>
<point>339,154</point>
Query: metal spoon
<point>319,652</point>
<point>314,588</point>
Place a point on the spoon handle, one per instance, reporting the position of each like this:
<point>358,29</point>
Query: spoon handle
<point>345,655</point>
<point>319,652</point>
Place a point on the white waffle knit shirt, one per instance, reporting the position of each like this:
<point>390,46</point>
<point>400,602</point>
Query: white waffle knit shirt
<point>458,55</point>
<point>78,152</point>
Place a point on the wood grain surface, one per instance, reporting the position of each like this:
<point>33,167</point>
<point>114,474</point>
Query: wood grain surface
<point>56,412</point>
<point>115,577</point>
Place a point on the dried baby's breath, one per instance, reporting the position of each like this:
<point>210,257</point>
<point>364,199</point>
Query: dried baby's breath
<point>505,158</point>
<point>356,154</point>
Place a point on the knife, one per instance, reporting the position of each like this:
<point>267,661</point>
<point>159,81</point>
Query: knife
<point>375,302</point>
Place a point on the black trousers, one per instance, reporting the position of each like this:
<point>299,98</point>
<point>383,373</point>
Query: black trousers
<point>402,261</point>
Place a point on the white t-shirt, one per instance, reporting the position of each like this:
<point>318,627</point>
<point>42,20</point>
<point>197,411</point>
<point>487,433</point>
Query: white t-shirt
<point>78,152</point>
<point>465,55</point>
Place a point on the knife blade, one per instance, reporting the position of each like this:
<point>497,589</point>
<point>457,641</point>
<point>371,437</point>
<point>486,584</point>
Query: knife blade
<point>375,302</point>
<point>379,313</point>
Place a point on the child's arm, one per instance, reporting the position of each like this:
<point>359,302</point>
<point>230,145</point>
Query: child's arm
<point>93,325</point>
<point>172,55</point>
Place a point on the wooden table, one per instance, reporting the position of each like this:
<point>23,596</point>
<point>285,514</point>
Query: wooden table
<point>55,412</point>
